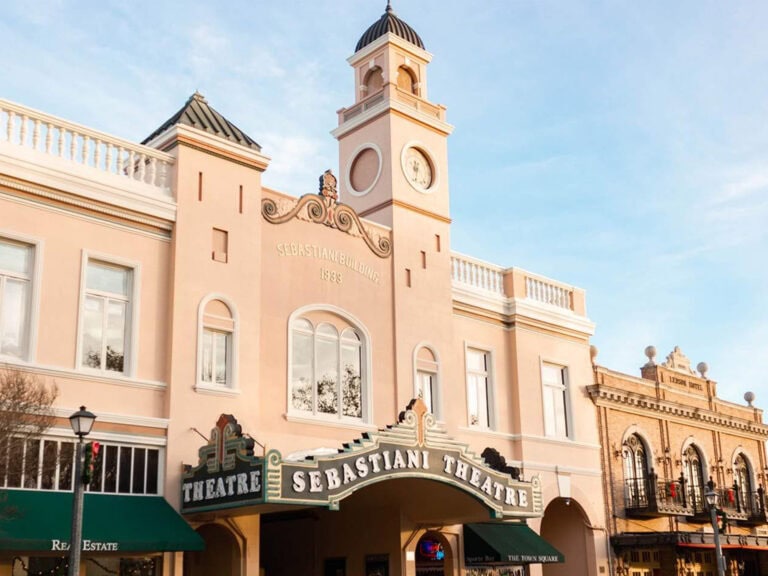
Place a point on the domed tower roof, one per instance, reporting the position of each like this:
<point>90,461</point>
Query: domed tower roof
<point>389,22</point>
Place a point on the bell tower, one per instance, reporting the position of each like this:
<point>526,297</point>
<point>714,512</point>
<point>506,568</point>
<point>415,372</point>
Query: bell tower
<point>393,158</point>
<point>392,140</point>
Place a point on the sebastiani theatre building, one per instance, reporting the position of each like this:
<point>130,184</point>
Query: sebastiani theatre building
<point>327,388</point>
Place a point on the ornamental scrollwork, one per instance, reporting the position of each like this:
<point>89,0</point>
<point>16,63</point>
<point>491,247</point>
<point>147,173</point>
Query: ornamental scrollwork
<point>323,208</point>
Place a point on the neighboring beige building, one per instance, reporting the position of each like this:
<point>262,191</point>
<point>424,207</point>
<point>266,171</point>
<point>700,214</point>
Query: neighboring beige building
<point>161,285</point>
<point>667,440</point>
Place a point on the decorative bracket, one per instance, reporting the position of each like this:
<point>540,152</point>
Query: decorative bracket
<point>323,208</point>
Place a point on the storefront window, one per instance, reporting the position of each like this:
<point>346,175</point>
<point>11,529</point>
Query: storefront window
<point>96,566</point>
<point>48,465</point>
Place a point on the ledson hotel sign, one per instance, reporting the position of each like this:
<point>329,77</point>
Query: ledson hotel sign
<point>228,475</point>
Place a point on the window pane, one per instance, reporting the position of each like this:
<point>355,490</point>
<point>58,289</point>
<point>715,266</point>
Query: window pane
<point>66,468</point>
<point>97,479</point>
<point>221,357</point>
<point>92,331</point>
<point>328,374</point>
<point>425,382</point>
<point>106,278</point>
<point>115,335</point>
<point>301,371</point>
<point>139,455</point>
<point>15,455</point>
<point>110,469</point>
<point>352,398</point>
<point>207,367</point>
<point>50,453</point>
<point>15,257</point>
<point>31,463</point>
<point>152,471</point>
<point>552,375</point>
<point>549,411</point>
<point>124,474</point>
<point>13,316</point>
<point>476,360</point>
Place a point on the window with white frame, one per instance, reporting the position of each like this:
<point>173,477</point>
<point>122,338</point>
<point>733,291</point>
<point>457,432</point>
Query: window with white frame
<point>554,381</point>
<point>216,363</point>
<point>427,387</point>
<point>106,316</point>
<point>327,368</point>
<point>48,464</point>
<point>16,269</point>
<point>479,388</point>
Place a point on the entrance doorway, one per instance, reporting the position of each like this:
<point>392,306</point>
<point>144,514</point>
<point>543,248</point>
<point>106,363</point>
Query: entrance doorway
<point>430,555</point>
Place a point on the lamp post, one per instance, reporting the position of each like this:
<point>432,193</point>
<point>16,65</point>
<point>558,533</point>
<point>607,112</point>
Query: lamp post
<point>81,422</point>
<point>711,497</point>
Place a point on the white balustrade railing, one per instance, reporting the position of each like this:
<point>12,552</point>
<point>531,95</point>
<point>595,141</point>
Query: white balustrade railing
<point>548,293</point>
<point>48,135</point>
<point>477,274</point>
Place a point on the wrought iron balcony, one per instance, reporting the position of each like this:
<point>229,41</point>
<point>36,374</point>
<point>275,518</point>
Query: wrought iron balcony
<point>650,497</point>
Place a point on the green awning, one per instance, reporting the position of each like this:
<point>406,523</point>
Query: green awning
<point>494,544</point>
<point>37,520</point>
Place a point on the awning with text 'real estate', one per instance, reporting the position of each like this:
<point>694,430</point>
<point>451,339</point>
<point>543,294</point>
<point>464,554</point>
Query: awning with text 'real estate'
<point>510,543</point>
<point>36,520</point>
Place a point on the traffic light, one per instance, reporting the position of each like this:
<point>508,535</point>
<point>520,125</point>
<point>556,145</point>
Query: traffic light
<point>89,460</point>
<point>722,521</point>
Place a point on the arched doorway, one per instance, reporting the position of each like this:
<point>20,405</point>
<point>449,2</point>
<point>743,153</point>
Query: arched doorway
<point>565,527</point>
<point>431,553</point>
<point>221,555</point>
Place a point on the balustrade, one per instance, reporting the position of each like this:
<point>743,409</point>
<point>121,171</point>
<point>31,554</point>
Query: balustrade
<point>50,136</point>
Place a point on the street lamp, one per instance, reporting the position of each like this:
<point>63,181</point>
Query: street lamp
<point>81,422</point>
<point>711,497</point>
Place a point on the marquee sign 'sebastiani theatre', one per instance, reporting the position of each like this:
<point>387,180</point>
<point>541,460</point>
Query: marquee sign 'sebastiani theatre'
<point>228,475</point>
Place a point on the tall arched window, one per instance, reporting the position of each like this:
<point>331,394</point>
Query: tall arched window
<point>636,472</point>
<point>743,483</point>
<point>328,368</point>
<point>693,473</point>
<point>217,356</point>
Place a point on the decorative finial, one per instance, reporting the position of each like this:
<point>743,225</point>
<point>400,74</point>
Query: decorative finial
<point>593,353</point>
<point>389,5</point>
<point>650,352</point>
<point>702,368</point>
<point>749,397</point>
<point>199,97</point>
<point>328,185</point>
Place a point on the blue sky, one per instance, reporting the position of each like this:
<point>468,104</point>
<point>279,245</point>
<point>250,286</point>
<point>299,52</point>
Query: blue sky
<point>618,146</point>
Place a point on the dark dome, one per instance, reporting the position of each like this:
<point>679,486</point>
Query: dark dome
<point>389,22</point>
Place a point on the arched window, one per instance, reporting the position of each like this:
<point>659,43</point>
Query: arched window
<point>216,345</point>
<point>636,472</point>
<point>328,368</point>
<point>406,80</point>
<point>427,385</point>
<point>742,482</point>
<point>693,473</point>
<point>373,81</point>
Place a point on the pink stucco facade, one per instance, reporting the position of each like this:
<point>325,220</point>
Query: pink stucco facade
<point>223,296</point>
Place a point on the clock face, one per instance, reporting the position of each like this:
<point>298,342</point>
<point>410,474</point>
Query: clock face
<point>418,169</point>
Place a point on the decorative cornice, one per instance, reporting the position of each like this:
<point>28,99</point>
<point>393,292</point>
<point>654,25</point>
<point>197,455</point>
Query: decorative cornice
<point>603,395</point>
<point>324,209</point>
<point>413,50</point>
<point>62,201</point>
<point>78,185</point>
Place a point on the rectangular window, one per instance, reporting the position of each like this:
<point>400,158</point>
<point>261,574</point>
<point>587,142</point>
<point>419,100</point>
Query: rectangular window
<point>48,464</point>
<point>555,390</point>
<point>106,316</point>
<point>478,388</point>
<point>216,346</point>
<point>16,263</point>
